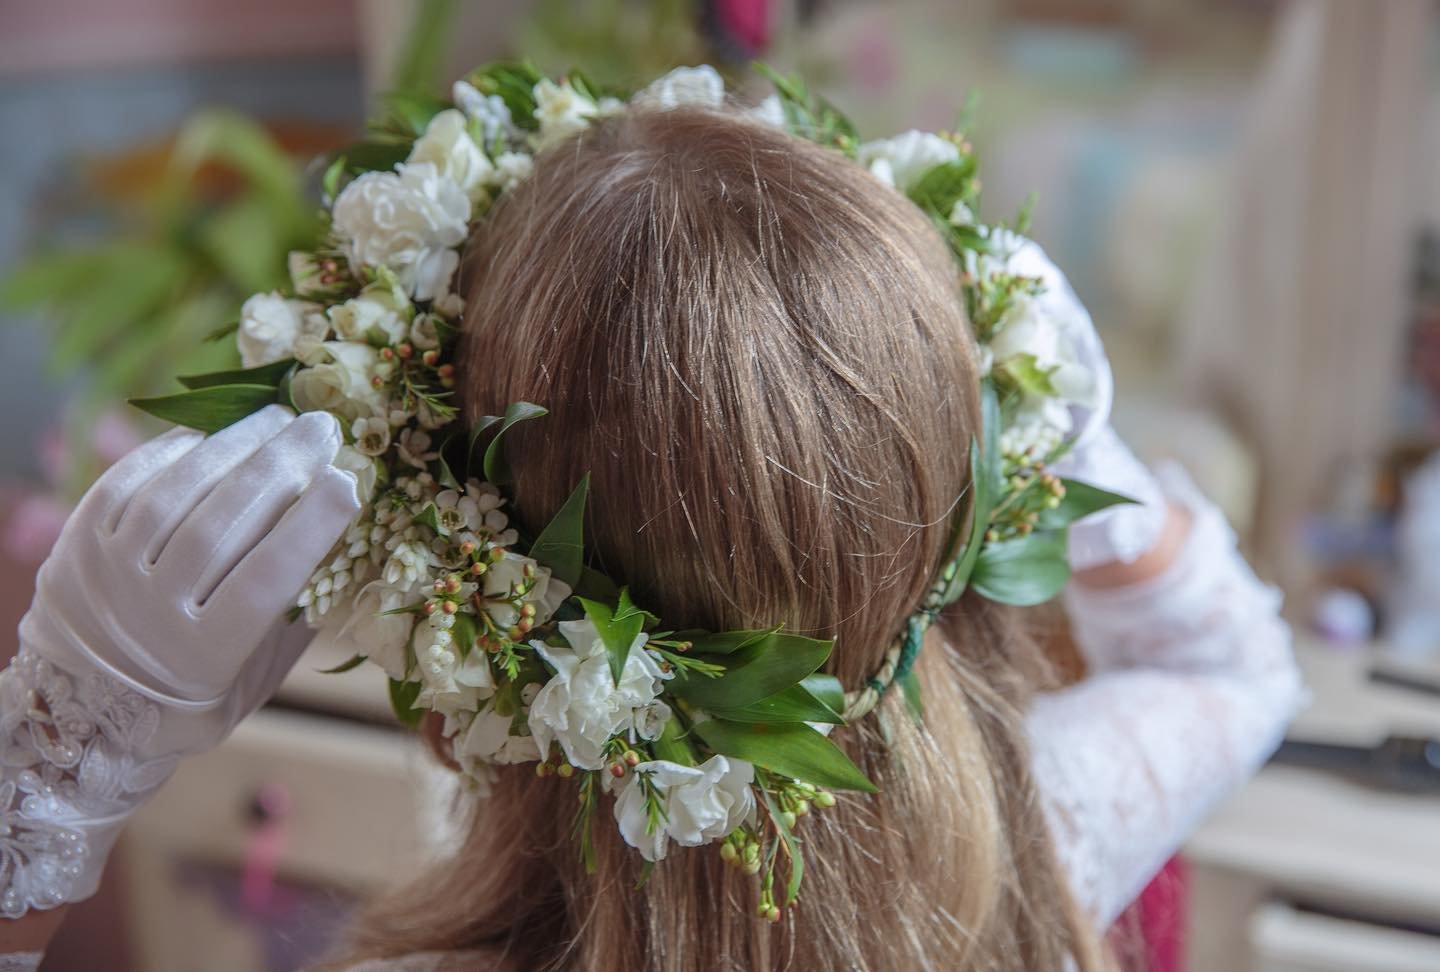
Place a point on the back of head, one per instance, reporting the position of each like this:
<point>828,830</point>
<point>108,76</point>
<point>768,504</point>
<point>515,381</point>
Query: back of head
<point>758,353</point>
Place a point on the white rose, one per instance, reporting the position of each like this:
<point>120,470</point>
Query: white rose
<point>488,740</point>
<point>581,706</point>
<point>902,160</point>
<point>561,111</point>
<point>685,87</point>
<point>341,385</point>
<point>379,637</point>
<point>410,220</point>
<point>547,594</point>
<point>448,146</point>
<point>270,325</point>
<point>701,803</point>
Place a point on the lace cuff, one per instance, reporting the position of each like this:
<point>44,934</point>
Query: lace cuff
<point>20,961</point>
<point>69,777</point>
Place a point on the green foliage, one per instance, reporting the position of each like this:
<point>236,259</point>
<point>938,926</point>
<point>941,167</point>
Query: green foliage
<point>790,749</point>
<point>495,469</point>
<point>561,545</point>
<point>515,84</point>
<point>1080,500</point>
<point>816,698</point>
<point>617,632</point>
<point>208,409</point>
<point>764,667</point>
<point>267,374</point>
<point>810,116</point>
<point>1024,571</point>
<point>402,702</point>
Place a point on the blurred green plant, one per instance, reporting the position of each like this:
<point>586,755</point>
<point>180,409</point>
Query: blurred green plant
<point>617,43</point>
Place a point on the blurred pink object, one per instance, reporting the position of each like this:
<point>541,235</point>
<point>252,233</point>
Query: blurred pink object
<point>748,21</point>
<point>33,527</point>
<point>113,436</point>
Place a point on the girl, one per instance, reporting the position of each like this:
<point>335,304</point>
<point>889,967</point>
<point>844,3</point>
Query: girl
<point>758,351</point>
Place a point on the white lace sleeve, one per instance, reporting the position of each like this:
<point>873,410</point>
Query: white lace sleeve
<point>20,961</point>
<point>68,778</point>
<point>1191,685</point>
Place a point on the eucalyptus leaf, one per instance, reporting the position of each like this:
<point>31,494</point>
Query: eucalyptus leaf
<point>764,668</point>
<point>561,545</point>
<point>267,374</point>
<point>208,409</point>
<point>794,750</point>
<point>1023,571</point>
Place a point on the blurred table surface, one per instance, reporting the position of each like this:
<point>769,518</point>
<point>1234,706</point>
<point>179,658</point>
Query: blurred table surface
<point>1321,838</point>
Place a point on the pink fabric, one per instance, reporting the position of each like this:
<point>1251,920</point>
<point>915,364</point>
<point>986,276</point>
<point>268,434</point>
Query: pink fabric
<point>748,21</point>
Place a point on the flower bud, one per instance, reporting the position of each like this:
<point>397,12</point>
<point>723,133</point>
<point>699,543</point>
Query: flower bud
<point>542,770</point>
<point>773,914</point>
<point>527,610</point>
<point>439,585</point>
<point>478,568</point>
<point>825,799</point>
<point>752,867</point>
<point>617,770</point>
<point>752,853</point>
<point>514,633</point>
<point>632,758</point>
<point>788,818</point>
<point>728,853</point>
<point>404,350</point>
<point>430,357</point>
<point>565,771</point>
<point>448,607</point>
<point>802,807</point>
<point>452,585</point>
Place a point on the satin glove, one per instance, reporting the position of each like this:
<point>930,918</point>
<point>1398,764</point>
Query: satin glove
<point>157,625</point>
<point>1099,456</point>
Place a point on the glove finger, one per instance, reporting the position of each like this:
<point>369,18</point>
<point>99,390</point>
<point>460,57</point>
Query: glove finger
<point>262,674</point>
<point>245,506</point>
<point>159,506</point>
<point>105,501</point>
<point>267,580</point>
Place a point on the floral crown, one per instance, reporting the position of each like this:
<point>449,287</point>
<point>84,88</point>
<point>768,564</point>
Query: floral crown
<point>528,653</point>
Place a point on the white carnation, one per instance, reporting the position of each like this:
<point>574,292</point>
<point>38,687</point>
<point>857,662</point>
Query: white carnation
<point>561,111</point>
<point>512,168</point>
<point>702,803</point>
<point>270,326</point>
<point>700,87</point>
<point>380,637</point>
<point>488,739</point>
<point>410,221</point>
<point>901,161</point>
<point>361,317</point>
<point>342,385</point>
<point>581,706</point>
<point>448,146</point>
<point>547,593</point>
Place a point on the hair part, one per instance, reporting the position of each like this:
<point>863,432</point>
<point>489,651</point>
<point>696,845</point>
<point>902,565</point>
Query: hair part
<point>759,355</point>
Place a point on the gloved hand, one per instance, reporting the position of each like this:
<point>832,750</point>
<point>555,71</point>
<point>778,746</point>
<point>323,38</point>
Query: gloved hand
<point>157,625</point>
<point>1099,457</point>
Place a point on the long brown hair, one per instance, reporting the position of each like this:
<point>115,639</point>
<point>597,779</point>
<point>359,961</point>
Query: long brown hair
<point>757,352</point>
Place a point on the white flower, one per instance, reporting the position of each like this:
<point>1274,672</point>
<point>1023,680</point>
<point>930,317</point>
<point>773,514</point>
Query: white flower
<point>343,385</point>
<point>685,87</point>
<point>902,160</point>
<point>701,803</point>
<point>488,739</point>
<point>770,112</point>
<point>371,435</point>
<point>379,310</point>
<point>961,214</point>
<point>512,168</point>
<point>561,111</point>
<point>380,637</point>
<point>507,574</point>
<point>354,461</point>
<point>423,334</point>
<point>581,706</point>
<point>415,448</point>
<point>490,111</point>
<point>407,566</point>
<point>270,325</point>
<point>448,146</point>
<point>454,511</point>
<point>410,220</point>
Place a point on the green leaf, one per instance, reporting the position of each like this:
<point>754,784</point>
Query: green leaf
<point>910,685</point>
<point>596,586</point>
<point>625,607</point>
<point>672,744</point>
<point>267,374</point>
<point>354,661</point>
<point>1033,380</point>
<point>330,182</point>
<point>792,846</point>
<point>494,467</point>
<point>937,190</point>
<point>818,698</point>
<point>429,517</point>
<point>561,545</point>
<point>402,702</point>
<point>409,112</point>
<point>221,332</point>
<point>1023,571</point>
<point>208,409</point>
<point>794,750</point>
<point>764,668</point>
<point>618,633</point>
<point>464,632</point>
<point>725,642</point>
<point>1081,499</point>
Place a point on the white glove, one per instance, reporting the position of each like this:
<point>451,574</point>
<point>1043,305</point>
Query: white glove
<point>1099,456</point>
<point>157,625</point>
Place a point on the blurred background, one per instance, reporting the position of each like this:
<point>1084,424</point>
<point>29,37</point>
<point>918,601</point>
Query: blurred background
<point>1242,191</point>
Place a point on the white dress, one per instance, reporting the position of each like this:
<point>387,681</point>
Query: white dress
<point>1191,685</point>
